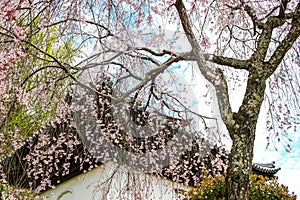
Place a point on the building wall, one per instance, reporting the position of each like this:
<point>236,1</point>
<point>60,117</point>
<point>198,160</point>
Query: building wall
<point>111,181</point>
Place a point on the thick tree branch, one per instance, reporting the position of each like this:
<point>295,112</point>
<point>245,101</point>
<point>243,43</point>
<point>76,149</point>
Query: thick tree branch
<point>286,44</point>
<point>266,35</point>
<point>231,62</point>
<point>216,78</point>
<point>265,39</point>
<point>186,24</point>
<point>283,6</point>
<point>204,69</point>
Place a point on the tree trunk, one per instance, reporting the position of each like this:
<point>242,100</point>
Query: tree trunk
<point>242,132</point>
<point>240,164</point>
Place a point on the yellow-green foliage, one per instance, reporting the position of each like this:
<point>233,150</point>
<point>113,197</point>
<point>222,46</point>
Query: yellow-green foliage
<point>13,192</point>
<point>213,188</point>
<point>269,188</point>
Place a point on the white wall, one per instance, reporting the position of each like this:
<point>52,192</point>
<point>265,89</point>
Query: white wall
<point>111,181</point>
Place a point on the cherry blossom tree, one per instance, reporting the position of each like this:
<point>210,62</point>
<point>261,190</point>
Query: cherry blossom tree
<point>31,86</point>
<point>229,43</point>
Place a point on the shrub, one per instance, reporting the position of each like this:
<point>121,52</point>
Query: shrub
<point>213,188</point>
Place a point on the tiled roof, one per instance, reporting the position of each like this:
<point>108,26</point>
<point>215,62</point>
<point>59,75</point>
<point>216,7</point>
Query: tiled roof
<point>266,169</point>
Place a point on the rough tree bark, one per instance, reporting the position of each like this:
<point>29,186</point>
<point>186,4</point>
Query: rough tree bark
<point>241,125</point>
<point>242,133</point>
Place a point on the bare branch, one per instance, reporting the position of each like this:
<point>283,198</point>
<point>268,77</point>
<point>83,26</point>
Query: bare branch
<point>164,52</point>
<point>66,70</point>
<point>150,76</point>
<point>256,22</point>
